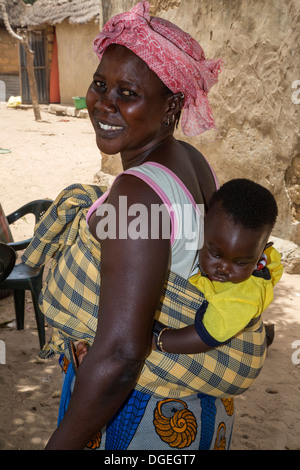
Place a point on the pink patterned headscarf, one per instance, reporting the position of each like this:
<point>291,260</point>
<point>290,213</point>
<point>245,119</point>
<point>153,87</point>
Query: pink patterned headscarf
<point>176,58</point>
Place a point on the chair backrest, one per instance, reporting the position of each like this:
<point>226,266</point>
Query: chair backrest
<point>37,207</point>
<point>7,260</point>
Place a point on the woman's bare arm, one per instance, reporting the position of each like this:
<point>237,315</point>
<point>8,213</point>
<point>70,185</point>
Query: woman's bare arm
<point>132,276</point>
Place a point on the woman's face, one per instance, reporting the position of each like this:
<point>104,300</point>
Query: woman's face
<point>126,104</point>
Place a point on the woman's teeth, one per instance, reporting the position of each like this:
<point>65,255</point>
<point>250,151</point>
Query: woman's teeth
<point>106,127</point>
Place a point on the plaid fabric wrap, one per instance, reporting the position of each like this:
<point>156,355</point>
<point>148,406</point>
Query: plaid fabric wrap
<point>222,372</point>
<point>70,299</point>
<point>70,295</point>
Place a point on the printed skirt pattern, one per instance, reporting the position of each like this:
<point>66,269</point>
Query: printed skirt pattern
<point>148,422</point>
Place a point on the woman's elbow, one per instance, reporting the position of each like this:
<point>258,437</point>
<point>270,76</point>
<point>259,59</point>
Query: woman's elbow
<point>125,369</point>
<point>127,362</point>
<point>122,358</point>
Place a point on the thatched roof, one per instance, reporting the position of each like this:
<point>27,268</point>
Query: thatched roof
<point>56,11</point>
<point>15,9</point>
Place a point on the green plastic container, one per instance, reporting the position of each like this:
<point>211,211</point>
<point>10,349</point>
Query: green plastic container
<point>79,102</point>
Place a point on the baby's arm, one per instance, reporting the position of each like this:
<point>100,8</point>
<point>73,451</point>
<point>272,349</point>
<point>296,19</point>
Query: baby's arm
<point>179,341</point>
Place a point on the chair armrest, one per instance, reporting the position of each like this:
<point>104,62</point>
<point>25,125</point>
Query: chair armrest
<point>17,246</point>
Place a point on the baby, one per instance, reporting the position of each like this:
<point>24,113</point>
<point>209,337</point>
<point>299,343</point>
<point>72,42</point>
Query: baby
<point>237,269</point>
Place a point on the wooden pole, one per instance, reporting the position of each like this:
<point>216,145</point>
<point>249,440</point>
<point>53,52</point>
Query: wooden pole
<point>31,77</point>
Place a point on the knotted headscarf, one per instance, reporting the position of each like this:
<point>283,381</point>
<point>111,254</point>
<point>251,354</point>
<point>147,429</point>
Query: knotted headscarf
<point>176,58</point>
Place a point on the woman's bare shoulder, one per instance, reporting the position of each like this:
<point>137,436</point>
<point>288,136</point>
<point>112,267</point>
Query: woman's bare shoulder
<point>204,172</point>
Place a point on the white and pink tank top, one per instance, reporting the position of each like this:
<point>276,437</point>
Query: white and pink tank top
<point>187,217</point>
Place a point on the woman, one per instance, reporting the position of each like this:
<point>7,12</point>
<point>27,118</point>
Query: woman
<point>149,72</point>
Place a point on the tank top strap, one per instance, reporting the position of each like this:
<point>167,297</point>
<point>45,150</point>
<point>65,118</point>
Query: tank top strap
<point>185,215</point>
<point>160,179</point>
<point>163,181</point>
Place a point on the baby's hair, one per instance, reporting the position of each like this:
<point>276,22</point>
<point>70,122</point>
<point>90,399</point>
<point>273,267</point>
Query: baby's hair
<point>248,203</point>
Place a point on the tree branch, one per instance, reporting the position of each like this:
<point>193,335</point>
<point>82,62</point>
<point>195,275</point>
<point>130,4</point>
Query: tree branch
<point>7,24</point>
<point>29,58</point>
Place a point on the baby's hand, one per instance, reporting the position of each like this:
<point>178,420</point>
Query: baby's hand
<point>81,351</point>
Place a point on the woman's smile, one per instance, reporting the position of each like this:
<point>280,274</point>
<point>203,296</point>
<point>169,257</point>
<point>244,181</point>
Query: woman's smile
<point>108,130</point>
<point>108,127</point>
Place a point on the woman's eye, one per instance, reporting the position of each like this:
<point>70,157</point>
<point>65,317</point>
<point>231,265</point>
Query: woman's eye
<point>127,93</point>
<point>99,84</point>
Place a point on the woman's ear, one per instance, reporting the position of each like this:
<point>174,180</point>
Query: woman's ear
<point>175,103</point>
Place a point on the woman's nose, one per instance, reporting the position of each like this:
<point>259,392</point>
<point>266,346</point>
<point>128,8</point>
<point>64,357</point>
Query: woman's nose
<point>107,103</point>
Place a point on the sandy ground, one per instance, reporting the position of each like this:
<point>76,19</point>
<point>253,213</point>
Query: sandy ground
<point>44,158</point>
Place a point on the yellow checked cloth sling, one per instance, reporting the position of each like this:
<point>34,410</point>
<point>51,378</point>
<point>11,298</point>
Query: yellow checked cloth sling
<point>70,298</point>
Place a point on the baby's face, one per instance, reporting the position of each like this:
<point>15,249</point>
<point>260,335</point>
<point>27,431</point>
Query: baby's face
<point>230,252</point>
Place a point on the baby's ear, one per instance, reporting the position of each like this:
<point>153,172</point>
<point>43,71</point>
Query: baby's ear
<point>268,245</point>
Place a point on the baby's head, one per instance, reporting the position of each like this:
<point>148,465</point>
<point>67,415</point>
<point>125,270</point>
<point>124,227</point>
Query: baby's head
<point>238,223</point>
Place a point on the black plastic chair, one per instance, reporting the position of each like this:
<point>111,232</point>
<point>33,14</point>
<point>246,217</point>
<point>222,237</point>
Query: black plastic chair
<point>37,208</point>
<point>19,277</point>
